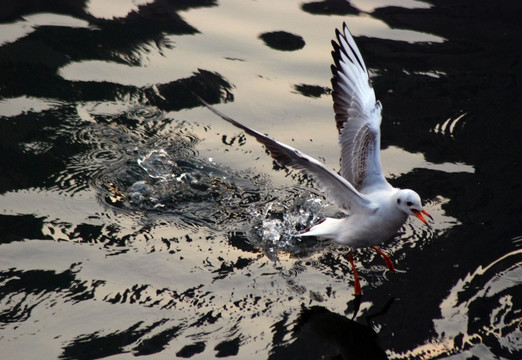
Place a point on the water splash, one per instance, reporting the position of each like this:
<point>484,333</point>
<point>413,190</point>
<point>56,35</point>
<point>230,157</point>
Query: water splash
<point>276,226</point>
<point>158,164</point>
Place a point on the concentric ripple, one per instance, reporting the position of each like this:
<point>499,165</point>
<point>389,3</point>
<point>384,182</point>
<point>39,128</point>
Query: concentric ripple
<point>145,113</point>
<point>479,310</point>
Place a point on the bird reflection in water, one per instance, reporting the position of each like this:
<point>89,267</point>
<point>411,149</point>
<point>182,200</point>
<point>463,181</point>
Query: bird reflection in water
<point>322,334</point>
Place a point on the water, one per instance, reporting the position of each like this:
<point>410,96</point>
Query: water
<point>136,223</point>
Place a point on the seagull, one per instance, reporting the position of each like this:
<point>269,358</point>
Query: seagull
<point>375,210</point>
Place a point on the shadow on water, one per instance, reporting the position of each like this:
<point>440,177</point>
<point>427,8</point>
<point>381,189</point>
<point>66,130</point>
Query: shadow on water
<point>28,289</point>
<point>329,7</point>
<point>283,41</point>
<point>210,250</point>
<point>319,333</point>
<point>121,40</point>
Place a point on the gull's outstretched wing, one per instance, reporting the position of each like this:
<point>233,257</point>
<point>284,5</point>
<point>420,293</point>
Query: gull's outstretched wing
<point>358,116</point>
<point>337,189</point>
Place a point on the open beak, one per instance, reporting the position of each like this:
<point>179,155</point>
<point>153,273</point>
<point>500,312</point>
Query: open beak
<point>419,215</point>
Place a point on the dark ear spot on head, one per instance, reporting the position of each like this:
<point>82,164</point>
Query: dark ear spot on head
<point>399,201</point>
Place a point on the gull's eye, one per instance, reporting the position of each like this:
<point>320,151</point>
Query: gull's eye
<point>399,201</point>
<point>409,203</point>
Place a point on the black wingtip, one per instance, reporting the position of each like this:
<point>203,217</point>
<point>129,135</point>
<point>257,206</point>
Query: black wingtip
<point>338,33</point>
<point>199,98</point>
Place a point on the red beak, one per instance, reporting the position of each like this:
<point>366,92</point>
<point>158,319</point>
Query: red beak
<point>418,214</point>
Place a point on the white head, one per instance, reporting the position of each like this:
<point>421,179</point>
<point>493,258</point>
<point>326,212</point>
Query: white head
<point>409,202</point>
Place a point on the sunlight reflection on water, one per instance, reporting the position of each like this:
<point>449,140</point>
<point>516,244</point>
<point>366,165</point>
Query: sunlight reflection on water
<point>136,223</point>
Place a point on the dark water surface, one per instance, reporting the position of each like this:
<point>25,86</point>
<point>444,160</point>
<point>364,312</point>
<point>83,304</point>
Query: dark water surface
<point>135,223</point>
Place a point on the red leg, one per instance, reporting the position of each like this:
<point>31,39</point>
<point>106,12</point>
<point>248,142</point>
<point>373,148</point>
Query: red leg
<point>357,285</point>
<point>386,258</point>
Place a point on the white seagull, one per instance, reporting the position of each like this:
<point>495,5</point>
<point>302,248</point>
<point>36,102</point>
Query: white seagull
<point>376,210</point>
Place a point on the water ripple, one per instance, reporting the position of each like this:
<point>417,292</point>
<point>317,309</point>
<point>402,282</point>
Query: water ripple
<point>142,113</point>
<point>479,310</point>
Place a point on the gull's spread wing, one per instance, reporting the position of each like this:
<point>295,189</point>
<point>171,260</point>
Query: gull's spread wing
<point>358,116</point>
<point>337,189</point>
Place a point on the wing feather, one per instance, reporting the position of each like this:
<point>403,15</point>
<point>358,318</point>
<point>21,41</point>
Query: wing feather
<point>337,189</point>
<point>357,115</point>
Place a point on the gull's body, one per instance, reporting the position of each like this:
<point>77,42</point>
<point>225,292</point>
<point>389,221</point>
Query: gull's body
<point>361,229</point>
<point>375,209</point>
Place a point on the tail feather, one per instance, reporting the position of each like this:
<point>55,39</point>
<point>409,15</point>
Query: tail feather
<point>324,228</point>
<point>311,226</point>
